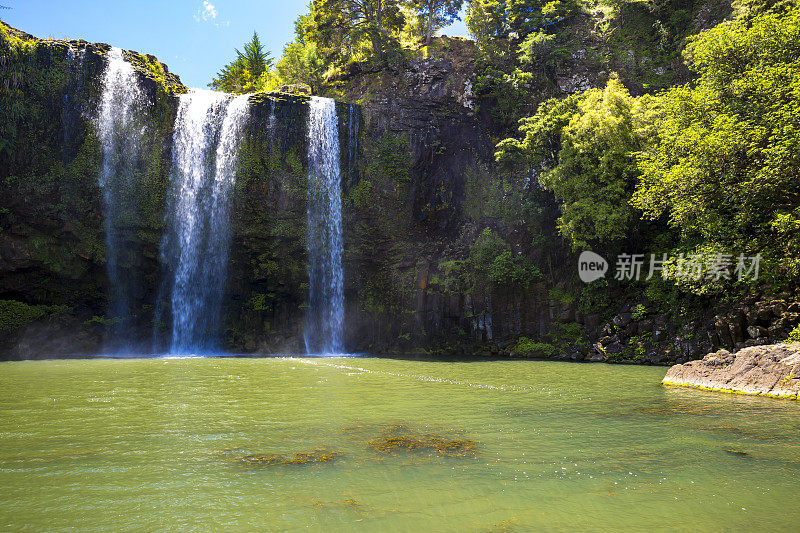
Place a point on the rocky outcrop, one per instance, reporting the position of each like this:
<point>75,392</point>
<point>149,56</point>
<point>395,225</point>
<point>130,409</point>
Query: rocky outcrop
<point>772,370</point>
<point>426,109</point>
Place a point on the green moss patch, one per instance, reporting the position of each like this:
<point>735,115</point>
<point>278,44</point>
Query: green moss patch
<point>401,439</point>
<point>317,455</point>
<point>15,315</point>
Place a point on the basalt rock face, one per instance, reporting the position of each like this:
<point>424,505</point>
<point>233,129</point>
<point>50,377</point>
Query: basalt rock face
<point>425,178</point>
<point>428,191</point>
<point>772,370</point>
<point>427,109</point>
<point>636,335</point>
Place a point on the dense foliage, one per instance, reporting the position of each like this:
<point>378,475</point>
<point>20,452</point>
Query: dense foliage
<point>582,150</point>
<point>520,41</point>
<point>725,168</point>
<point>717,160</point>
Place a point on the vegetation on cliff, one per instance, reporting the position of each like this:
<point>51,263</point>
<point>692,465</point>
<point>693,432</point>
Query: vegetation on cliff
<point>713,163</point>
<point>723,167</point>
<point>582,149</point>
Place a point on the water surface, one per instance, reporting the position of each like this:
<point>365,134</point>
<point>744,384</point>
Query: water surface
<point>126,445</point>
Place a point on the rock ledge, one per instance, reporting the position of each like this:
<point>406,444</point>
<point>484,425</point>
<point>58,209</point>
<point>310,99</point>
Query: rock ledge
<point>772,370</point>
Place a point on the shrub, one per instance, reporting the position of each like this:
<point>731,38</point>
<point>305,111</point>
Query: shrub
<point>526,347</point>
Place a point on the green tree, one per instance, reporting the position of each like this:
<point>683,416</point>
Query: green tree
<point>485,20</point>
<point>596,171</point>
<point>436,14</point>
<point>524,17</point>
<point>342,24</point>
<point>516,19</point>
<point>302,63</point>
<point>520,41</point>
<point>541,142</point>
<point>248,72</point>
<point>725,167</point>
<point>582,150</point>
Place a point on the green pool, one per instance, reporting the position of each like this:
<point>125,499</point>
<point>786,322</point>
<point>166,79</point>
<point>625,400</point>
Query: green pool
<point>390,445</point>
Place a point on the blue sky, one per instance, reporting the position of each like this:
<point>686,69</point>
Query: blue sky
<point>195,38</point>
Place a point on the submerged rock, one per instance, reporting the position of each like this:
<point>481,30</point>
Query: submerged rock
<point>402,439</point>
<point>318,455</point>
<point>763,370</point>
<point>737,452</point>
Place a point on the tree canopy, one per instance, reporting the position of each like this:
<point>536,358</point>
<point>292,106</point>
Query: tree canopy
<point>582,149</point>
<point>249,72</point>
<point>717,160</point>
<point>725,168</point>
<point>516,19</point>
<point>436,14</point>
<point>342,25</point>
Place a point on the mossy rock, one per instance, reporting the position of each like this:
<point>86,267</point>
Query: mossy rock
<point>317,455</point>
<point>15,315</point>
<point>398,439</point>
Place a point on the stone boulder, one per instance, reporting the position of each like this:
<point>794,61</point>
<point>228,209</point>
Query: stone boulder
<point>300,89</point>
<point>772,370</point>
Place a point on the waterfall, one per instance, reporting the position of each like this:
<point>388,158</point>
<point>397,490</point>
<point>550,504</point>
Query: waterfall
<point>325,317</point>
<point>273,121</point>
<point>120,131</point>
<point>207,131</point>
<point>78,56</point>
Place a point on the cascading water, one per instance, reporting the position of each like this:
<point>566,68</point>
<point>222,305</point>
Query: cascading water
<point>76,56</point>
<point>273,120</point>
<point>325,317</point>
<point>207,131</point>
<point>120,132</point>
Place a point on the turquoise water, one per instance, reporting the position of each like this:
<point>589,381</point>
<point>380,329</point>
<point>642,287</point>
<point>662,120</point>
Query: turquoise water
<point>132,445</point>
